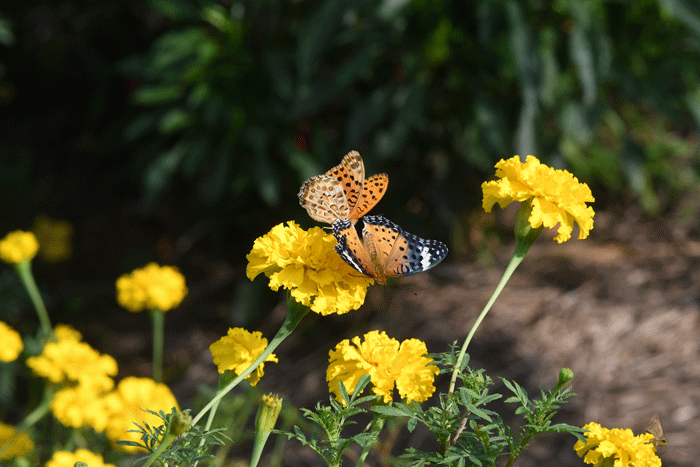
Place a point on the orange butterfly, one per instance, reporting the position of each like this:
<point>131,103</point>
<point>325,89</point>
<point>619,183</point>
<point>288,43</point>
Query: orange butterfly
<point>385,249</point>
<point>342,193</point>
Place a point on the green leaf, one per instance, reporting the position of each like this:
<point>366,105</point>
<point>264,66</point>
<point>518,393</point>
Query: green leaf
<point>155,95</point>
<point>388,411</point>
<point>174,120</point>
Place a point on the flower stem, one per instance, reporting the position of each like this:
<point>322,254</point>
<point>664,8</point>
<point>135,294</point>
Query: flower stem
<point>514,262</point>
<point>377,425</point>
<point>164,444</point>
<point>24,270</point>
<point>158,320</point>
<point>295,312</point>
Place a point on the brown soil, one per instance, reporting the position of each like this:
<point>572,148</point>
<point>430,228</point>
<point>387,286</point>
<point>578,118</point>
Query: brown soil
<point>620,309</point>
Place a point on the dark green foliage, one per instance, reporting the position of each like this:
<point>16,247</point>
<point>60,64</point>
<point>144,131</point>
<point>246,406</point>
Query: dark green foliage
<point>191,447</point>
<point>233,104</point>
<point>248,100</point>
<point>333,420</point>
<point>471,434</point>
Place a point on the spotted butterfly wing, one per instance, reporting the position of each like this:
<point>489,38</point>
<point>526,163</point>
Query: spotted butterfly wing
<point>342,192</point>
<point>386,250</point>
<point>324,199</point>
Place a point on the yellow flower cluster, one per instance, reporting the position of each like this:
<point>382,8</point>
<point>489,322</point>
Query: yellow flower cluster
<point>306,263</point>
<point>12,344</point>
<point>68,459</point>
<point>125,405</point>
<point>18,246</point>
<point>67,333</point>
<point>89,397</point>
<point>13,443</point>
<point>617,447</point>
<point>54,238</point>
<point>72,361</point>
<point>388,362</point>
<point>238,350</point>
<point>557,197</point>
<point>150,288</point>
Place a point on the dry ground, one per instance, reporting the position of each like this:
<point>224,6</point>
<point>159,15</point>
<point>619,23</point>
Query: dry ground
<point>620,309</point>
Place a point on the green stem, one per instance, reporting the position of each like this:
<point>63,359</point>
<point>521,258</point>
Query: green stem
<point>514,262</point>
<point>212,413</point>
<point>39,412</point>
<point>295,312</point>
<point>158,320</point>
<point>24,270</point>
<point>168,439</point>
<point>377,426</point>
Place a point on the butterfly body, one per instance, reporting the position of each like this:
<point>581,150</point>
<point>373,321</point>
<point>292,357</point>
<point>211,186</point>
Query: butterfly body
<point>342,193</point>
<point>385,250</point>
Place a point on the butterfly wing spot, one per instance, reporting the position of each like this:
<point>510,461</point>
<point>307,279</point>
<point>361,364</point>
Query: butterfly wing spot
<point>350,173</point>
<point>403,253</point>
<point>324,199</point>
<point>350,248</point>
<point>372,191</point>
<point>342,192</point>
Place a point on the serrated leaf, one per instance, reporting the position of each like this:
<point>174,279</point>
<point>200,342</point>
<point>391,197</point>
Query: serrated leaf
<point>343,392</point>
<point>388,411</point>
<point>411,424</point>
<point>480,413</point>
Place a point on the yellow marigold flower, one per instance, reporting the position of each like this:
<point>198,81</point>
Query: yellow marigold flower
<point>54,238</point>
<point>388,362</point>
<point>18,246</point>
<point>69,360</point>
<point>557,196</point>
<point>618,445</point>
<point>152,287</point>
<point>68,459</point>
<point>66,332</point>
<point>305,263</point>
<point>80,406</point>
<point>12,344</point>
<point>13,443</point>
<point>238,350</point>
<point>126,406</point>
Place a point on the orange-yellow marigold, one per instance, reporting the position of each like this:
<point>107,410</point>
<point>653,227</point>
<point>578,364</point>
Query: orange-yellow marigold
<point>238,350</point>
<point>126,406</point>
<point>152,287</point>
<point>306,263</point>
<point>18,246</point>
<point>557,197</point>
<point>388,362</point>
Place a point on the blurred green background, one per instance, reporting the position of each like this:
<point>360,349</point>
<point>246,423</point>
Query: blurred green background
<point>179,131</point>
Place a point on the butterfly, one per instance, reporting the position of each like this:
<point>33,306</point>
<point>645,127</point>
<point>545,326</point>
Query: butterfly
<point>385,249</point>
<point>342,193</point>
<point>657,430</point>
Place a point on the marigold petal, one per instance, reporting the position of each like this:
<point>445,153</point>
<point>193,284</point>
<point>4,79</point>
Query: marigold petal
<point>150,288</point>
<point>306,263</point>
<point>387,362</point>
<point>13,443</point>
<point>238,350</point>
<point>18,246</point>
<point>12,343</point>
<point>126,406</point>
<point>557,196</point>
